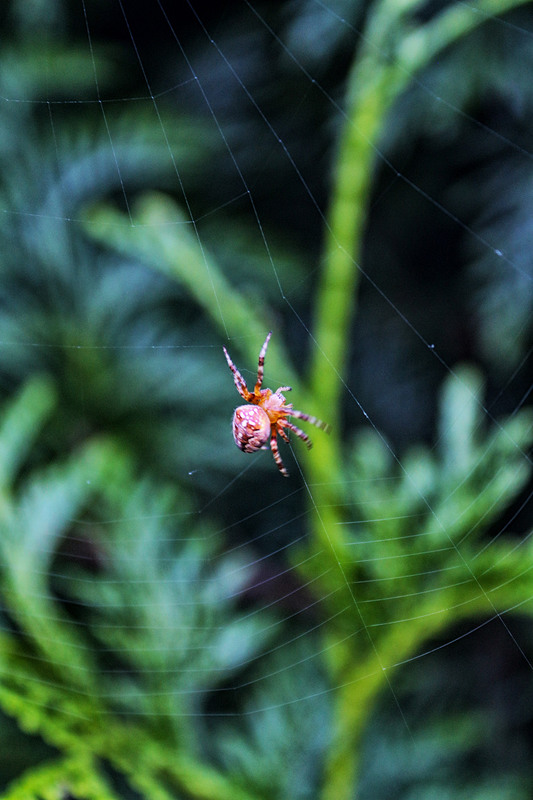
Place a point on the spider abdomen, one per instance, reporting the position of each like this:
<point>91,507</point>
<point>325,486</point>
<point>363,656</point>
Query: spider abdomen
<point>251,428</point>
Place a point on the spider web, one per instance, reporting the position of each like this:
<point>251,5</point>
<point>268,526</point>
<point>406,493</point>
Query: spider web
<point>173,198</point>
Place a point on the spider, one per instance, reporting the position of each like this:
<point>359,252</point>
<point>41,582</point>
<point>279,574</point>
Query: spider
<point>266,417</point>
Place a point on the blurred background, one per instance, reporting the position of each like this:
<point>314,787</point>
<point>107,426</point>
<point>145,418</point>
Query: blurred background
<point>145,559</point>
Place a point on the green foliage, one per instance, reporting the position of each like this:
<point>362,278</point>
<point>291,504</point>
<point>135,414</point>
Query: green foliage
<point>75,777</point>
<point>441,746</point>
<point>278,750</point>
<point>127,629</point>
<point>161,605</point>
<point>164,609</point>
<point>423,534</point>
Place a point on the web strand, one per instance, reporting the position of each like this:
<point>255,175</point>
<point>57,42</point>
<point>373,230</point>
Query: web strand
<point>196,568</point>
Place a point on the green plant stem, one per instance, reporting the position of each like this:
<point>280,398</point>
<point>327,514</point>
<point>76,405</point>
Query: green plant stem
<point>363,682</point>
<point>374,84</point>
<point>353,704</point>
<point>365,679</point>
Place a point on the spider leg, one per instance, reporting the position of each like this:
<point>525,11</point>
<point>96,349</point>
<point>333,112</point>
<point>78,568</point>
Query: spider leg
<point>282,433</point>
<point>276,454</point>
<point>313,420</point>
<point>281,389</point>
<point>261,364</point>
<point>301,435</point>
<point>240,383</point>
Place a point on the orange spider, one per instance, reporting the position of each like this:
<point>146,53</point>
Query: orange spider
<point>267,415</point>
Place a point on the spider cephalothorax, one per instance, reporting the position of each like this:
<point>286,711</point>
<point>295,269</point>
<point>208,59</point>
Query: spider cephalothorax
<point>267,416</point>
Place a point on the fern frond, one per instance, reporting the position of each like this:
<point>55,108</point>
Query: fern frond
<point>30,532</point>
<point>22,421</point>
<point>73,776</point>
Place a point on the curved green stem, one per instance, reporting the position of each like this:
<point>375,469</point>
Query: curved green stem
<point>374,84</point>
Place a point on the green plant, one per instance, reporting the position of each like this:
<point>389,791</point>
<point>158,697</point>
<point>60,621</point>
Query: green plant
<point>160,606</point>
<point>454,497</point>
<point>122,641</point>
